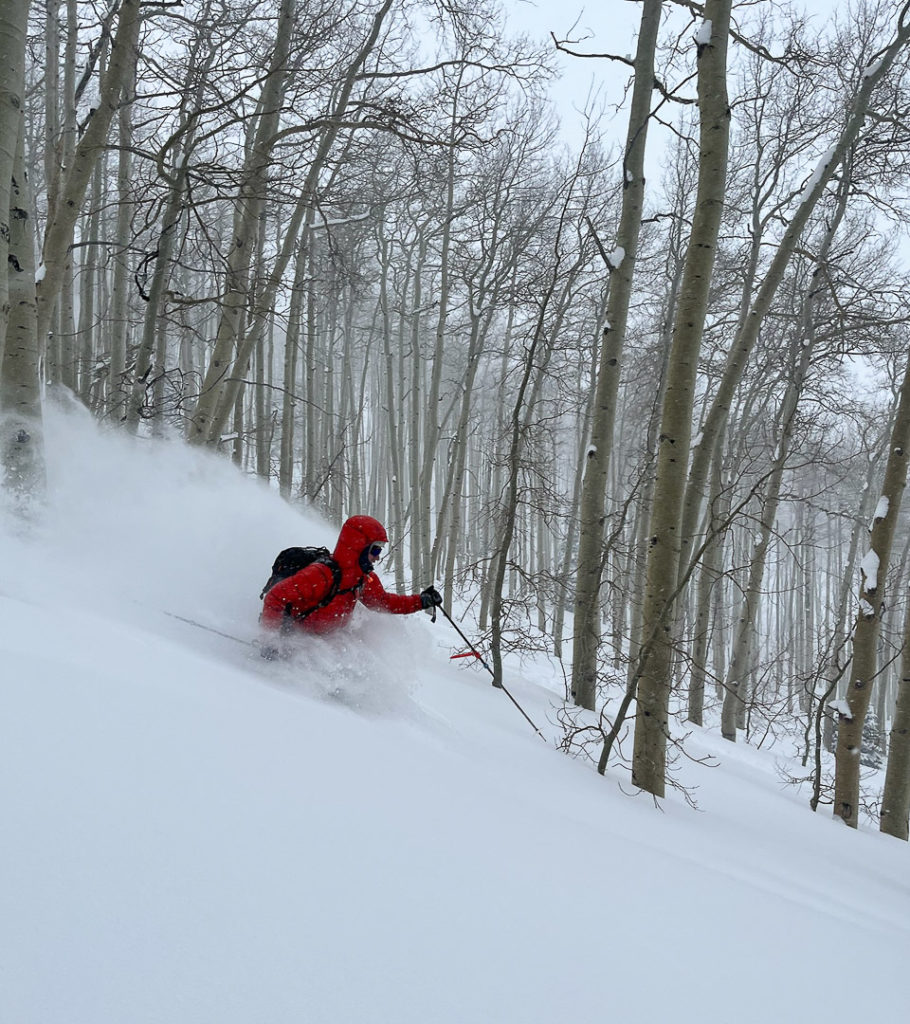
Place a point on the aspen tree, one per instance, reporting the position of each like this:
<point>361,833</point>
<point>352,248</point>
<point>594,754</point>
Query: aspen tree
<point>895,812</point>
<point>652,722</point>
<point>871,597</point>
<point>13,31</point>
<point>119,315</point>
<point>832,667</point>
<point>592,517</point>
<point>21,427</point>
<point>290,397</point>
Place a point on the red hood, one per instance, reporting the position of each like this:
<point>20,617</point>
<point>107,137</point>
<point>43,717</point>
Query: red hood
<point>357,534</point>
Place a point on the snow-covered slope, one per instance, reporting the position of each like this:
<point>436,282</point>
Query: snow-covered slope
<point>194,836</point>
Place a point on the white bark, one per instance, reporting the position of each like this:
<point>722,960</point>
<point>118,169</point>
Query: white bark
<point>21,426</point>
<point>13,29</point>
<point>871,598</point>
<point>591,511</point>
<point>651,722</point>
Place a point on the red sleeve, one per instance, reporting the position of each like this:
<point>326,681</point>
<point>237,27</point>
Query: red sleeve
<point>375,596</point>
<point>297,594</point>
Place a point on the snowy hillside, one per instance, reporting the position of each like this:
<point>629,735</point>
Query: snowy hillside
<point>192,835</point>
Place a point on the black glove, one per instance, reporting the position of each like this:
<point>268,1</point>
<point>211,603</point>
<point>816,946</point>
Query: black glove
<point>430,598</point>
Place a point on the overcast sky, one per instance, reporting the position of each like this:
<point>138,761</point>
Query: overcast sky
<point>596,27</point>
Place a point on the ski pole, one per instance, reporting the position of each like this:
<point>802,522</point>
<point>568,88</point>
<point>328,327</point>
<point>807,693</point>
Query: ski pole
<point>209,629</point>
<point>479,657</point>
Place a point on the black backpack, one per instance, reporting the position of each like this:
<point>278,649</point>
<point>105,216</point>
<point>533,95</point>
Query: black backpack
<point>292,560</point>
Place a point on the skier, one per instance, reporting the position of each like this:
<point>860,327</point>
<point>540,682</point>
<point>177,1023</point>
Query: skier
<point>318,600</point>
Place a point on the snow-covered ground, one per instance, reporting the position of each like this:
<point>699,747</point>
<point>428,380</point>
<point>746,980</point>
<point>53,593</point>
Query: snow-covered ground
<point>370,834</point>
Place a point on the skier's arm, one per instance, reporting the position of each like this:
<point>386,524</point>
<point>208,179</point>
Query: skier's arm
<point>376,597</point>
<point>297,594</point>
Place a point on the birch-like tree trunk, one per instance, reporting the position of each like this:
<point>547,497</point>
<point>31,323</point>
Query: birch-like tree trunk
<point>871,598</point>
<point>13,31</point>
<point>21,426</point>
<point>710,581</point>
<point>310,368</point>
<point>60,358</point>
<point>592,516</point>
<point>652,718</point>
<point>391,399</point>
<point>831,666</point>
<point>567,555</point>
<point>290,398</point>
<point>422,518</point>
<point>21,448</point>
<point>51,91</point>
<point>120,326</point>
<point>895,814</point>
<point>416,396</point>
<point>89,279</point>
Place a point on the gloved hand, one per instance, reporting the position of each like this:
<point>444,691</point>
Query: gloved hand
<point>430,598</point>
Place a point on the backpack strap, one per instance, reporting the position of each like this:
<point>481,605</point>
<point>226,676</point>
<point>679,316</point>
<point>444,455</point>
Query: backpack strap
<point>329,595</point>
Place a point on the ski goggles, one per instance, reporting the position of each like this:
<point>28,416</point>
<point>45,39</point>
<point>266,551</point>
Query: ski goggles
<point>375,551</point>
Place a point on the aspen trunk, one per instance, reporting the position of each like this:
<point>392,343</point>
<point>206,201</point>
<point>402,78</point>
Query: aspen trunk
<point>392,404</point>
<point>431,419</point>
<point>452,494</point>
<point>88,290</point>
<point>562,595</point>
<point>416,404</point>
<point>13,30</point>
<point>896,795</point>
<point>871,598</point>
<point>652,718</point>
<point>51,94</point>
<point>21,425</point>
<point>707,609</point>
<point>587,630</point>
<point>290,399</point>
<point>120,328</point>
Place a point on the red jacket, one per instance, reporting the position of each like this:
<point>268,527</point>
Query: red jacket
<point>300,592</point>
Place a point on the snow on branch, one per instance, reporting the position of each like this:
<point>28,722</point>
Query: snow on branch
<point>842,708</point>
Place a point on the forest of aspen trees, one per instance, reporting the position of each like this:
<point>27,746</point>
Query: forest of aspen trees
<point>635,395</point>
